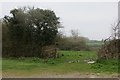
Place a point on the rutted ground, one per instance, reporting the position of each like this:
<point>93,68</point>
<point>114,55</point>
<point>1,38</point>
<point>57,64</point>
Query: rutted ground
<point>53,75</point>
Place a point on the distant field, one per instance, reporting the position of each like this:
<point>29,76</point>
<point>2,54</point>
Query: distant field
<point>69,63</point>
<point>94,44</point>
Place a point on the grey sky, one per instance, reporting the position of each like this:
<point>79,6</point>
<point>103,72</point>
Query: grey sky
<point>91,19</point>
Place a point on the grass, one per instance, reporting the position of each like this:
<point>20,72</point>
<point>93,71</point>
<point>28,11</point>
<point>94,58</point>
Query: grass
<point>29,66</point>
<point>110,66</point>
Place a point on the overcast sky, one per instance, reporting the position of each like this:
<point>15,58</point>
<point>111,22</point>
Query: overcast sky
<point>91,19</point>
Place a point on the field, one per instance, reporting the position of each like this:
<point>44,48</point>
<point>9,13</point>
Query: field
<point>69,64</point>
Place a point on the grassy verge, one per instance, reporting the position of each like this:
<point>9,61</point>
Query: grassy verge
<point>69,62</point>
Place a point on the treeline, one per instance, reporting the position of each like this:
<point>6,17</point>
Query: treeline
<point>27,30</point>
<point>75,42</point>
<point>33,32</point>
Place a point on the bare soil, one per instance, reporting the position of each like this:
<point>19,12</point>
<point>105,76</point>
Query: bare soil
<point>70,75</point>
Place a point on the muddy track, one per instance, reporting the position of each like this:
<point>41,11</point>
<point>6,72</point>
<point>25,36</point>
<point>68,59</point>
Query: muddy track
<point>71,75</point>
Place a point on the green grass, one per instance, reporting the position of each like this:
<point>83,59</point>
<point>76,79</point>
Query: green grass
<point>110,66</point>
<point>27,66</point>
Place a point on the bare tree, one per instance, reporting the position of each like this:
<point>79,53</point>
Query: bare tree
<point>110,48</point>
<point>74,33</point>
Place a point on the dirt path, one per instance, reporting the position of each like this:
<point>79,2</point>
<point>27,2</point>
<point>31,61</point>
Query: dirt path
<point>70,75</point>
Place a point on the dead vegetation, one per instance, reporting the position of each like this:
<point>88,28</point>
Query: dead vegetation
<point>111,47</point>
